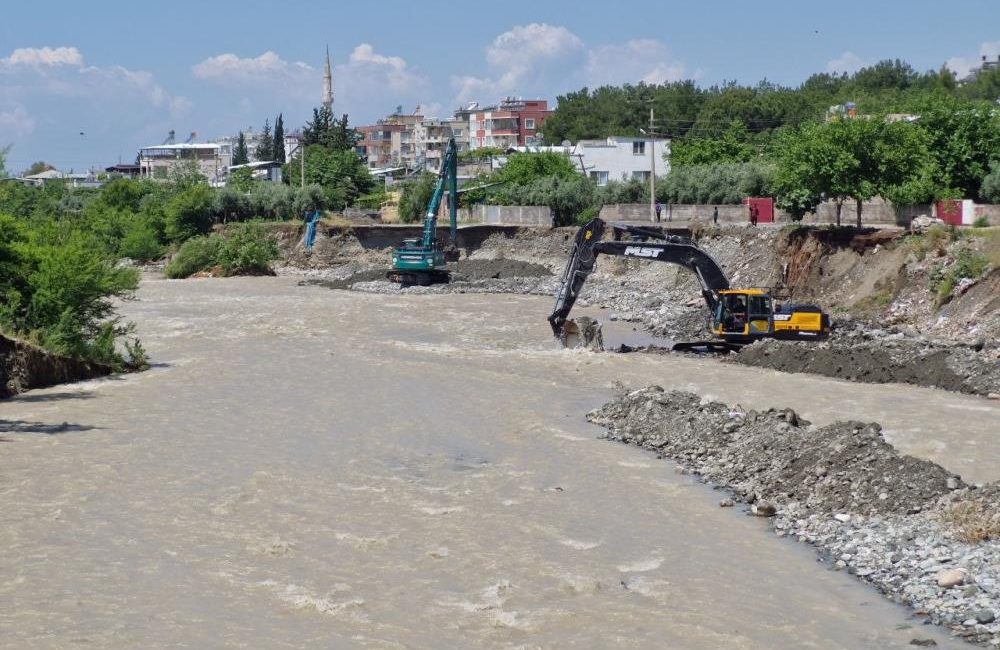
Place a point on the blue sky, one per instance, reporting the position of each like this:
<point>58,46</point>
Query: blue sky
<point>82,84</point>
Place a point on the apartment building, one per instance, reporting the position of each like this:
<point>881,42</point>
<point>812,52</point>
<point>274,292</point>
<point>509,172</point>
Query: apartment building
<point>212,159</point>
<point>514,122</point>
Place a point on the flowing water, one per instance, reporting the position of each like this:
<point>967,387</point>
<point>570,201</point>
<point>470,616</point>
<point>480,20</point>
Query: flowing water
<point>311,468</point>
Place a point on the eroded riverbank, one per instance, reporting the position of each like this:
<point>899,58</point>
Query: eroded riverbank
<point>324,467</point>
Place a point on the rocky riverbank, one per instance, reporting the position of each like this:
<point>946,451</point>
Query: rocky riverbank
<point>24,366</point>
<point>906,526</point>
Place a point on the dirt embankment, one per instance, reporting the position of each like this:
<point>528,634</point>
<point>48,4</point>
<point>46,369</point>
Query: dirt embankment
<point>907,526</point>
<point>23,366</point>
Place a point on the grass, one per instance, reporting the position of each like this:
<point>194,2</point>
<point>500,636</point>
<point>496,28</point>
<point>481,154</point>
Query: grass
<point>934,240</point>
<point>878,300</point>
<point>972,521</point>
<point>967,264</point>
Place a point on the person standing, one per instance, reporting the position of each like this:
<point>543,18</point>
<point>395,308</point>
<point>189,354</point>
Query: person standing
<point>754,213</point>
<point>715,215</point>
<point>659,209</point>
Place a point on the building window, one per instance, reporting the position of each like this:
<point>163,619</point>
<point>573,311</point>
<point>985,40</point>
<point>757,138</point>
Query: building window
<point>529,123</point>
<point>640,176</point>
<point>601,178</point>
<point>639,148</point>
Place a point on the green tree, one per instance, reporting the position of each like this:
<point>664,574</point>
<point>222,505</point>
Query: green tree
<point>340,173</point>
<point>265,148</point>
<point>733,145</point>
<point>3,160</point>
<point>525,168</point>
<point>416,195</point>
<point>854,159</point>
<point>189,213</point>
<point>37,168</point>
<point>278,152</point>
<point>240,154</point>
<point>241,179</point>
<point>991,184</point>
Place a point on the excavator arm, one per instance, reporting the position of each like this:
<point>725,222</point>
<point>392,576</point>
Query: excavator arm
<point>589,244</point>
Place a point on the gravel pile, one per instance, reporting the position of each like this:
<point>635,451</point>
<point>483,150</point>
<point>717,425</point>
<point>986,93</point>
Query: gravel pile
<point>907,526</point>
<point>880,357</point>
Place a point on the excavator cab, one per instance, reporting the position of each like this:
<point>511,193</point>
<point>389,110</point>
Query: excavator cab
<point>743,314</point>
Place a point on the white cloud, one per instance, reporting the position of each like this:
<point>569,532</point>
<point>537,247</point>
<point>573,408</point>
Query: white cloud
<point>43,57</point>
<point>231,69</point>
<point>847,62</point>
<point>118,79</point>
<point>962,66</point>
<point>15,121</point>
<point>646,60</point>
<point>518,57</point>
<point>373,70</point>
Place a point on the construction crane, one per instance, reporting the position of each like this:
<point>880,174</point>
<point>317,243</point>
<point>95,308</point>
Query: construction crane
<point>422,261</point>
<point>738,316</point>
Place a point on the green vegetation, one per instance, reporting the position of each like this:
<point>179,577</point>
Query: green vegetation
<point>196,254</point>
<point>967,265</point>
<point>246,249</point>
<point>940,143</point>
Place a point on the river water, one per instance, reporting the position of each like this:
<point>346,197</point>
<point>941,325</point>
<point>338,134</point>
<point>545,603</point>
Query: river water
<point>311,468</point>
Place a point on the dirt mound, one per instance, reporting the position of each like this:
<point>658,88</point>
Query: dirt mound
<point>882,360</point>
<point>470,270</point>
<point>23,366</point>
<point>775,456</point>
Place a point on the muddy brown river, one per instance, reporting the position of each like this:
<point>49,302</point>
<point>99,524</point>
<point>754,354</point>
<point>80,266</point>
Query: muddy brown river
<point>309,468</point>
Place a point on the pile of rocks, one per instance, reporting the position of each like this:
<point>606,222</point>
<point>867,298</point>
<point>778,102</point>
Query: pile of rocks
<point>894,521</point>
<point>883,356</point>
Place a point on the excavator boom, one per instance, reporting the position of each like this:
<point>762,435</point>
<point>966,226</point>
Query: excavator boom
<point>589,244</point>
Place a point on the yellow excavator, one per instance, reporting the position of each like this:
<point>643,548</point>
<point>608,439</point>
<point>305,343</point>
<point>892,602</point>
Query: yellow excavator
<point>738,316</point>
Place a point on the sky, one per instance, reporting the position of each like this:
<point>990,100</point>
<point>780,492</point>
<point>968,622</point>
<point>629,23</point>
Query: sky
<point>85,85</point>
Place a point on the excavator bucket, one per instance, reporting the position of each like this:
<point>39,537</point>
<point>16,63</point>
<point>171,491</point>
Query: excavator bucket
<point>583,332</point>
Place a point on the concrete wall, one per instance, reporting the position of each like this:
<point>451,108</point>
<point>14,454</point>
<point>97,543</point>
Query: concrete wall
<point>990,211</point>
<point>876,212</point>
<point>512,215</point>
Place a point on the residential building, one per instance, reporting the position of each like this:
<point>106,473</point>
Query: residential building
<point>69,178</point>
<point>391,141</point>
<point>431,137</point>
<point>621,158</point>
<point>986,66</point>
<point>212,159</point>
<point>514,122</point>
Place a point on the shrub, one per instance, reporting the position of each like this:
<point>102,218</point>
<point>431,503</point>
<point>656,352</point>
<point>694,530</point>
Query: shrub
<point>981,222</point>
<point>196,254</point>
<point>247,249</point>
<point>588,214</point>
<point>189,213</point>
<point>141,241</point>
<point>416,195</point>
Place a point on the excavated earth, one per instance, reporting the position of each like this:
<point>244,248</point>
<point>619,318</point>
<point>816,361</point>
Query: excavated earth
<point>906,526</point>
<point>24,366</point>
<point>888,327</point>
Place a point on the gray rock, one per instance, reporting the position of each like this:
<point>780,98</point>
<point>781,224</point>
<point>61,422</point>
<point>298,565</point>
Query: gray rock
<point>949,578</point>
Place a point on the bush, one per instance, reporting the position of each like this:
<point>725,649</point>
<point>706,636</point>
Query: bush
<point>967,264</point>
<point>196,254</point>
<point>247,249</point>
<point>981,222</point>
<point>189,213</point>
<point>990,188</point>
<point>588,214</point>
<point>141,241</point>
<point>417,194</point>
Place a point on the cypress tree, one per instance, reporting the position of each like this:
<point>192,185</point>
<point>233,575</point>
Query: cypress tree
<point>265,148</point>
<point>278,149</point>
<point>240,156</point>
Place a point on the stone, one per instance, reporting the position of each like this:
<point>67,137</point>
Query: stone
<point>763,509</point>
<point>842,517</point>
<point>925,643</point>
<point>951,578</point>
<point>726,503</point>
<point>985,616</point>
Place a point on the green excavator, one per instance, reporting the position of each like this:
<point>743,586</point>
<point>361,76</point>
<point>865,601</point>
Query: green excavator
<point>423,261</point>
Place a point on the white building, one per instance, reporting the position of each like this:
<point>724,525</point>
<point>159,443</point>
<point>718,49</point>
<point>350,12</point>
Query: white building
<point>212,159</point>
<point>621,158</point>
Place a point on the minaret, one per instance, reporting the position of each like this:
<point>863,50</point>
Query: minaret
<point>328,82</point>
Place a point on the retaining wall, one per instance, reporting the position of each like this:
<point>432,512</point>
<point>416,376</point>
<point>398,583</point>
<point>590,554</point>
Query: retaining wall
<point>873,212</point>
<point>510,215</point>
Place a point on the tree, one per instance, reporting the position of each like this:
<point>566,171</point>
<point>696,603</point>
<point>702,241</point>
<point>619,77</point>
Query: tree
<point>3,161</point>
<point>340,173</point>
<point>189,213</point>
<point>37,168</point>
<point>846,159</point>
<point>278,151</point>
<point>525,168</point>
<point>240,154</point>
<point>317,130</point>
<point>991,184</point>
<point>732,146</point>
<point>265,148</point>
<point>963,138</point>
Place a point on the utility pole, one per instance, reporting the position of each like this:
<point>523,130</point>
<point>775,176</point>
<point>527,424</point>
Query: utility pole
<point>652,168</point>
